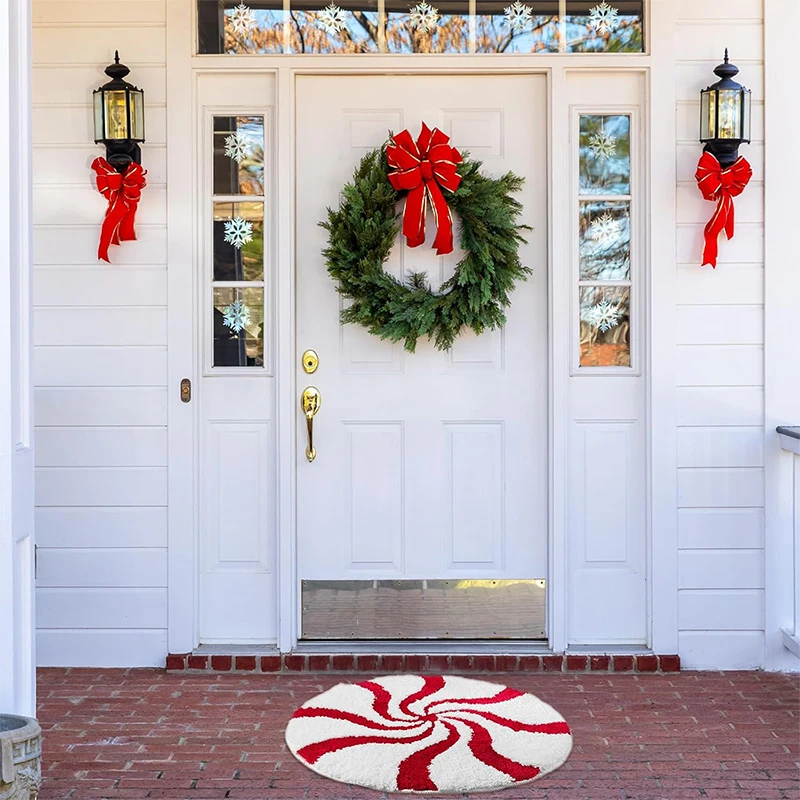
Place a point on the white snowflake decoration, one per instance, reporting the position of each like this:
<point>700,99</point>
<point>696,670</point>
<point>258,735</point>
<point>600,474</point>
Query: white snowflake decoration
<point>605,229</point>
<point>604,316</point>
<point>241,20</point>
<point>604,18</point>
<point>238,146</point>
<point>603,145</point>
<point>518,16</point>
<point>236,316</point>
<point>424,17</point>
<point>332,19</point>
<point>238,232</point>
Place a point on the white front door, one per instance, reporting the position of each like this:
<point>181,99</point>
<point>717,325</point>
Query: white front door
<point>429,465</point>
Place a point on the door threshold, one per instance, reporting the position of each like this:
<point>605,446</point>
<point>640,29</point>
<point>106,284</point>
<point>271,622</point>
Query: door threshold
<point>426,647</point>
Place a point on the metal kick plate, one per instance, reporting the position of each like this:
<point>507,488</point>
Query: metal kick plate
<point>427,609</point>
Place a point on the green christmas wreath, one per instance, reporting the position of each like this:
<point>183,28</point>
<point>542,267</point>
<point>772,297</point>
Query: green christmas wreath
<point>362,232</point>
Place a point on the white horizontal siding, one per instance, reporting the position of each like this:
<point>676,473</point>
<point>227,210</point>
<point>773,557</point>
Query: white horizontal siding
<point>104,567</point>
<point>68,164</point>
<point>77,244</point>
<point>722,609</point>
<point>58,42</point>
<point>719,528</point>
<point>721,569</point>
<point>721,447</point>
<point>100,366</point>
<point>101,608</point>
<point>737,284</point>
<point>94,12</point>
<point>73,125</point>
<point>101,447</point>
<point>100,406</point>
<point>101,486</point>
<point>100,358</point>
<point>100,286</point>
<point>94,647</point>
<point>726,649</point>
<point>82,527</point>
<point>720,361</point>
<point>721,365</point>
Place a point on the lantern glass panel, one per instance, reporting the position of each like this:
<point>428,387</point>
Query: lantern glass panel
<point>98,116</point>
<point>708,111</point>
<point>137,114</point>
<point>116,114</point>
<point>747,97</point>
<point>730,114</point>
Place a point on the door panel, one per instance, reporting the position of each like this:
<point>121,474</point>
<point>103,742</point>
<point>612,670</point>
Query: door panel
<point>430,465</point>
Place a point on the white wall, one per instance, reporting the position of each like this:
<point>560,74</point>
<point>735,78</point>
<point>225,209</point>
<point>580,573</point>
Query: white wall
<point>720,362</point>
<point>100,365</point>
<point>100,350</point>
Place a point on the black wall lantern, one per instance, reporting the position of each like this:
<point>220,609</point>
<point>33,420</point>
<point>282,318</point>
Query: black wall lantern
<point>725,115</point>
<point>119,117</point>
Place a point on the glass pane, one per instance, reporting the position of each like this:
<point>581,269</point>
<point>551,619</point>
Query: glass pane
<point>605,242</point>
<point>605,154</point>
<point>708,110</point>
<point>748,97</point>
<point>98,115</point>
<point>116,114</point>
<point>238,241</point>
<point>347,26</point>
<point>235,27</point>
<point>730,114</point>
<point>239,155</point>
<point>238,327</point>
<point>605,326</point>
<point>601,26</point>
<point>427,27</point>
<point>524,26</point>
<point>137,115</point>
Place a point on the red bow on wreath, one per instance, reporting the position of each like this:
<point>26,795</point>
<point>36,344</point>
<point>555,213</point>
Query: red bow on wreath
<point>721,185</point>
<point>420,169</point>
<point>123,193</point>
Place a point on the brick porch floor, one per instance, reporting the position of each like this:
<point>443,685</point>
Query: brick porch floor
<point>152,734</point>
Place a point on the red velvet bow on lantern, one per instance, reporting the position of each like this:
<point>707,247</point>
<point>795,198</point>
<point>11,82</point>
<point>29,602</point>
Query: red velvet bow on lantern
<point>123,193</point>
<point>420,168</point>
<point>721,185</point>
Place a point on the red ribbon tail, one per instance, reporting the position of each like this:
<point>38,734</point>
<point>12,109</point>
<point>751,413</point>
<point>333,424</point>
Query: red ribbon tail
<point>110,232</point>
<point>715,226</point>
<point>443,243</point>
<point>127,229</point>
<point>414,216</point>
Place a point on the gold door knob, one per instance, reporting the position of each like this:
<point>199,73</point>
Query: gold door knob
<point>310,402</point>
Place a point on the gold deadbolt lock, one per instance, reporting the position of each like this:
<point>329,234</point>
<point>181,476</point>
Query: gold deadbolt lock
<point>310,361</point>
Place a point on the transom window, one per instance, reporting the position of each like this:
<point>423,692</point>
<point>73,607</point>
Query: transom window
<point>237,27</point>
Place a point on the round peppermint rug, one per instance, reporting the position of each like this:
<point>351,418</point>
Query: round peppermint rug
<point>409,733</point>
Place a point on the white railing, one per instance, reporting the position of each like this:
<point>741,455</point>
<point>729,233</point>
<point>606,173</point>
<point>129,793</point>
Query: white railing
<point>790,440</point>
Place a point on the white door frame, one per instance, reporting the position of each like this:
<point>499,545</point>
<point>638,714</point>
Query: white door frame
<point>182,65</point>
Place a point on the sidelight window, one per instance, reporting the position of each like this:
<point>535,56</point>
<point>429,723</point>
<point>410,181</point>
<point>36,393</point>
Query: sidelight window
<point>605,277</point>
<point>237,242</point>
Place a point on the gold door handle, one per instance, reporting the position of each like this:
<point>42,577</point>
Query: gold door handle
<point>310,402</point>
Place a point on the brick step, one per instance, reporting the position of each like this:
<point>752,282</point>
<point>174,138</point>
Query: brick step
<point>408,662</point>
